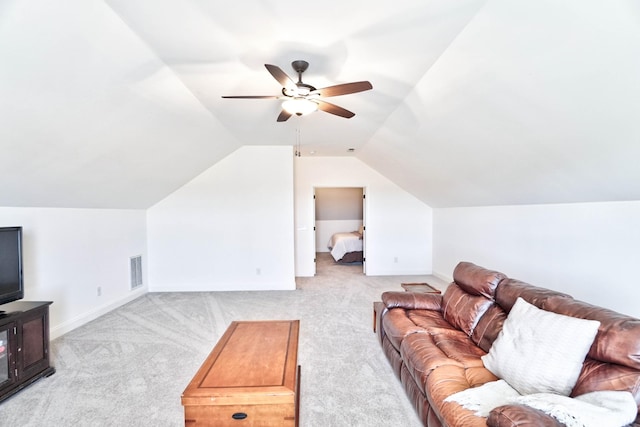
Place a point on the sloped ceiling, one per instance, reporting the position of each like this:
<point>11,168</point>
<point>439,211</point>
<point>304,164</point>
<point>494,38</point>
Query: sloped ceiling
<point>117,103</point>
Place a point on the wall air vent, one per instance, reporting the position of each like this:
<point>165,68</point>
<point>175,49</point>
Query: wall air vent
<point>136,271</point>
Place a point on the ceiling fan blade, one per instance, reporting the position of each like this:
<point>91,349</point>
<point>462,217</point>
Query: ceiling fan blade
<point>344,89</point>
<point>282,77</point>
<point>334,109</point>
<point>252,97</point>
<point>284,116</point>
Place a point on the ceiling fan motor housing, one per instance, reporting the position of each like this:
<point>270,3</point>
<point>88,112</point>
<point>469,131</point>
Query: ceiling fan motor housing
<point>300,66</point>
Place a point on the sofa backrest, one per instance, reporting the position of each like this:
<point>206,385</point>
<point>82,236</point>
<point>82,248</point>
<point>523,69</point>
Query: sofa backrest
<point>613,362</point>
<point>511,289</point>
<point>470,296</point>
<point>463,310</point>
<point>476,280</point>
<point>506,294</point>
<point>618,339</point>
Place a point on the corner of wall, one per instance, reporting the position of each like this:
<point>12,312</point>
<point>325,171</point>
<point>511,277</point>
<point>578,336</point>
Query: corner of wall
<point>86,317</point>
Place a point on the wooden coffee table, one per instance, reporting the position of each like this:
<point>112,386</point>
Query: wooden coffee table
<point>250,378</point>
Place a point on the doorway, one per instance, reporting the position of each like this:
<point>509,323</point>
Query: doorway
<point>340,219</point>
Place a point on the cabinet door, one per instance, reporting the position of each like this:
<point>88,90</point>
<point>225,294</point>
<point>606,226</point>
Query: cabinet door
<point>33,339</point>
<point>7,355</point>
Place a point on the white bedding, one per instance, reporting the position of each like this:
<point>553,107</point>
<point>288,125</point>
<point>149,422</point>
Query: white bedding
<point>605,408</point>
<point>342,243</point>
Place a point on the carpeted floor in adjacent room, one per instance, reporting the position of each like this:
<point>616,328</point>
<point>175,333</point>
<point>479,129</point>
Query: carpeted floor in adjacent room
<point>130,366</point>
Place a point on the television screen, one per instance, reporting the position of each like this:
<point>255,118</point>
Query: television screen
<point>11,286</point>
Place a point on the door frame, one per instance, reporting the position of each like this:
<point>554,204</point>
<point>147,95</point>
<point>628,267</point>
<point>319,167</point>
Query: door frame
<point>364,224</point>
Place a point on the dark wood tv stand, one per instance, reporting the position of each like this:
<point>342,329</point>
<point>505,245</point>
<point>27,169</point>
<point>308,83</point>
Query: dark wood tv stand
<point>24,345</point>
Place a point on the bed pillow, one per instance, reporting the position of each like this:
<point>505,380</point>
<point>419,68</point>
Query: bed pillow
<point>539,351</point>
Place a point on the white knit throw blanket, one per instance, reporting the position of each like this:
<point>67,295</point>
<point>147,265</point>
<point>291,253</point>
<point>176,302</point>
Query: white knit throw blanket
<point>595,409</point>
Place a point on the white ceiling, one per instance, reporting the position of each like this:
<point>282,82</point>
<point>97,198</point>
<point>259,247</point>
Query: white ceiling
<point>117,103</point>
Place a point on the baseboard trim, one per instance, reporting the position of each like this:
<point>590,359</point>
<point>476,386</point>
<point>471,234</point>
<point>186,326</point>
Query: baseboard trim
<point>398,272</point>
<point>68,326</point>
<point>443,277</point>
<point>225,287</point>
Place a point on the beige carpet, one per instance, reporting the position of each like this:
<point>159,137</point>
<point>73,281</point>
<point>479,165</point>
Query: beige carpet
<point>129,367</point>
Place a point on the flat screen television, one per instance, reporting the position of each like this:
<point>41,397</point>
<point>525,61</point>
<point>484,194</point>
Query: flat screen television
<point>11,281</point>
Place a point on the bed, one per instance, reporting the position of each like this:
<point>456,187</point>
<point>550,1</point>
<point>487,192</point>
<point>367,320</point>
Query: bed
<point>346,247</point>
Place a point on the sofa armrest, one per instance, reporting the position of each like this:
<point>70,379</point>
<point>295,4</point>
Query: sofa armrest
<point>412,300</point>
<point>520,416</point>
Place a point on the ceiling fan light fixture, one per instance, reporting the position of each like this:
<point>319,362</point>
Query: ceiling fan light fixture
<point>301,98</point>
<point>299,106</point>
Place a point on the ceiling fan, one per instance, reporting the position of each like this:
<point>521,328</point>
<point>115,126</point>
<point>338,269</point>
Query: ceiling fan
<point>301,98</point>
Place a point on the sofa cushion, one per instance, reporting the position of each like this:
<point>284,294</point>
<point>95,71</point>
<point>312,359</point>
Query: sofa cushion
<point>476,280</point>
<point>447,380</point>
<point>397,326</point>
<point>463,310</point>
<point>539,351</point>
<point>596,376</point>
<point>424,352</point>
<point>488,327</point>
<point>421,355</point>
<point>430,320</point>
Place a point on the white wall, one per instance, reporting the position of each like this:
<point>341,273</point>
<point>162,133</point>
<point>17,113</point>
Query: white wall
<point>230,228</point>
<point>589,250</point>
<point>398,225</point>
<point>338,203</point>
<point>69,253</point>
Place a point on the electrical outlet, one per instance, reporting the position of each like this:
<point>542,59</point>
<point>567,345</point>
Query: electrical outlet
<point>395,259</point>
<point>99,291</point>
<point>258,271</point>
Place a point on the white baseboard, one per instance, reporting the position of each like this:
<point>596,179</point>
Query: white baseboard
<point>398,272</point>
<point>225,287</point>
<point>93,314</point>
<point>443,277</point>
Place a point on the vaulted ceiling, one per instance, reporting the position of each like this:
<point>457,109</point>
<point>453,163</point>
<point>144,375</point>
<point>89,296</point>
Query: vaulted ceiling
<point>117,103</point>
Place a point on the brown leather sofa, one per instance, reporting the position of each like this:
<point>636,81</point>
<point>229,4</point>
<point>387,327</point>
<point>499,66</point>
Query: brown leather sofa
<point>434,344</point>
